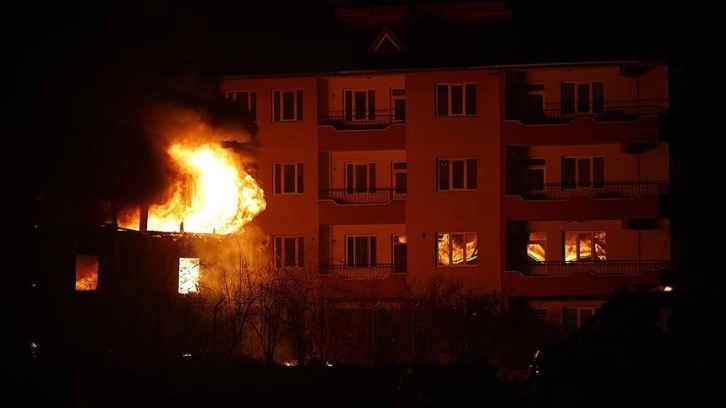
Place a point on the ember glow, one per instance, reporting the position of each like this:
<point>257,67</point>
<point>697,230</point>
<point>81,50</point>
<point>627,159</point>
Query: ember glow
<point>188,275</point>
<point>216,196</point>
<point>86,272</point>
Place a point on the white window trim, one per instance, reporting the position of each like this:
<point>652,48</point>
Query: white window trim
<point>449,98</point>
<point>372,248</point>
<point>366,117</point>
<point>295,108</point>
<point>451,174</point>
<point>577,96</point>
<point>282,251</point>
<point>282,178</point>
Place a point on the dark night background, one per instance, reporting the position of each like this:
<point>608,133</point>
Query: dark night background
<point>77,70</point>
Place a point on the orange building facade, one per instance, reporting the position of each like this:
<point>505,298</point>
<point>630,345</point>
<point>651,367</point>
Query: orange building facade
<point>543,183</point>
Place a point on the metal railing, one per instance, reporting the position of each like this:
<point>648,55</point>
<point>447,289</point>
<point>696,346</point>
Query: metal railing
<point>605,191</point>
<point>378,120</point>
<point>610,111</point>
<point>595,268</point>
<point>369,272</point>
<point>370,196</point>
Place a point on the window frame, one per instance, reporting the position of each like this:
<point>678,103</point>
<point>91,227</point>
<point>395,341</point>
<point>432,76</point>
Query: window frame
<point>278,102</point>
<point>593,254</point>
<point>531,241</point>
<point>372,242</point>
<point>466,179</point>
<point>278,176</point>
<point>369,108</point>
<point>449,99</point>
<point>251,100</point>
<point>279,256</point>
<point>464,263</point>
<point>593,184</point>
<point>576,100</point>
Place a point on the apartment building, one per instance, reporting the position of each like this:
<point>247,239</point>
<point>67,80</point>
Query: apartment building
<point>542,182</point>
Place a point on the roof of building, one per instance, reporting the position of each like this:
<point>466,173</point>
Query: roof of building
<point>430,35</point>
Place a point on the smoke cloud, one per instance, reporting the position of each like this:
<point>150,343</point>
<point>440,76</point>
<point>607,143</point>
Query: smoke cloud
<point>115,149</point>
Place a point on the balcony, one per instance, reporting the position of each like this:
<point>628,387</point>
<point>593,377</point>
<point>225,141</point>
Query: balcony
<point>373,206</point>
<point>600,278</point>
<point>612,111</point>
<point>346,121</point>
<point>377,196</point>
<point>614,122</point>
<point>594,268</point>
<point>380,271</point>
<point>381,130</point>
<point>551,201</point>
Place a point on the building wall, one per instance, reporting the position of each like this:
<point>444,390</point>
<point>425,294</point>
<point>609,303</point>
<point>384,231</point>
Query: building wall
<point>286,142</point>
<point>332,101</point>
<point>382,159</point>
<point>429,211</point>
<point>619,167</point>
<point>384,240</point>
<point>619,90</point>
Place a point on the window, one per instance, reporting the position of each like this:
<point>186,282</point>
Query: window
<point>455,99</point>
<point>400,253</point>
<point>585,246</point>
<point>574,317</point>
<point>456,248</point>
<point>583,172</point>
<point>456,174</point>
<point>289,252</point>
<point>360,250</point>
<point>398,105</point>
<point>247,99</point>
<point>534,99</point>
<point>535,174</point>
<point>288,178</point>
<point>400,178</point>
<point>537,246</point>
<point>360,178</point>
<point>359,104</point>
<point>87,272</point>
<point>287,105</point>
<point>582,97</point>
<point>188,275</point>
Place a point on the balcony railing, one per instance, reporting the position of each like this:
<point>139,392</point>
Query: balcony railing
<point>378,120</point>
<point>352,196</point>
<point>595,268</point>
<point>379,271</point>
<point>611,111</point>
<point>605,191</point>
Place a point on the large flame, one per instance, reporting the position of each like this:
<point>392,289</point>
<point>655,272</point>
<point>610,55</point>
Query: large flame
<point>217,196</point>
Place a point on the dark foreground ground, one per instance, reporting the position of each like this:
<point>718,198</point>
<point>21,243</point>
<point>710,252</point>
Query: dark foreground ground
<point>202,385</point>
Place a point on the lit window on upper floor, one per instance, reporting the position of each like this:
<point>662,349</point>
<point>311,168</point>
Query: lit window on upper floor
<point>456,249</point>
<point>287,105</point>
<point>87,272</point>
<point>189,275</point>
<point>585,246</point>
<point>456,174</point>
<point>288,178</point>
<point>537,246</point>
<point>456,99</point>
<point>289,252</point>
<point>247,100</point>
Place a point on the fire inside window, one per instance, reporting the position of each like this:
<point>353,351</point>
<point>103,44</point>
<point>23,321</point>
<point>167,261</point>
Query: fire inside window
<point>456,249</point>
<point>87,272</point>
<point>188,275</point>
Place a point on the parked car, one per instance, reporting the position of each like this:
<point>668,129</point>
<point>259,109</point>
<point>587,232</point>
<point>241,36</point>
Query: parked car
<point>631,350</point>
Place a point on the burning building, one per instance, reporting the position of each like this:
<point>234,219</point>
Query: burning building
<point>543,182</point>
